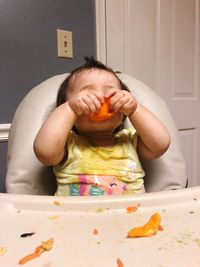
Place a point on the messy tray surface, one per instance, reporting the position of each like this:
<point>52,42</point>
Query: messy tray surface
<point>92,231</point>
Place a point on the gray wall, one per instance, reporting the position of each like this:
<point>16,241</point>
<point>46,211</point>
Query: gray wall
<point>28,48</point>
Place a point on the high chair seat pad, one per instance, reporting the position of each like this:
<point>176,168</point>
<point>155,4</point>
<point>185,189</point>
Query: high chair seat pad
<point>26,175</point>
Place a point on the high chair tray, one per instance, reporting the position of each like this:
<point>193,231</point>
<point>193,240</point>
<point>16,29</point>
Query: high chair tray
<point>92,231</point>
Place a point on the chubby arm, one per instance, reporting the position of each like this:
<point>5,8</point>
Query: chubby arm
<point>50,142</point>
<point>154,139</point>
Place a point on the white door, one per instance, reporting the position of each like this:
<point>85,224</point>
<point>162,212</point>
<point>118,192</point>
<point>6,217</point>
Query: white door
<point>158,42</point>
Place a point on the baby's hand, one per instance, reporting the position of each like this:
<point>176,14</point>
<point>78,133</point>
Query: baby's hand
<point>86,102</point>
<point>122,101</point>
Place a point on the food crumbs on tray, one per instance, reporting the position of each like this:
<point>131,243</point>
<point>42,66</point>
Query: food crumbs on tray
<point>54,217</point>
<point>57,203</point>
<point>48,264</point>
<point>3,250</point>
<point>27,234</point>
<point>119,263</point>
<point>131,209</point>
<point>95,232</point>
<point>148,229</point>
<point>197,241</point>
<point>45,246</point>
<point>100,210</point>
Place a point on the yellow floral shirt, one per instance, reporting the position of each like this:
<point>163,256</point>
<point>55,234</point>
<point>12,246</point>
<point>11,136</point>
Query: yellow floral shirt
<point>95,170</point>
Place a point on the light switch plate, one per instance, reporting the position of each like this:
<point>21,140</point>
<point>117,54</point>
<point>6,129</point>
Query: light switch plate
<point>64,43</point>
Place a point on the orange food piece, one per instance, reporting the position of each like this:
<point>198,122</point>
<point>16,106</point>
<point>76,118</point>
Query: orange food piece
<point>131,209</point>
<point>57,203</point>
<point>95,232</point>
<point>119,263</point>
<point>45,246</point>
<point>149,229</point>
<point>29,257</point>
<point>103,114</point>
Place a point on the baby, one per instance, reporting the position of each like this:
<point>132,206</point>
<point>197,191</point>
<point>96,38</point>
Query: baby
<point>94,156</point>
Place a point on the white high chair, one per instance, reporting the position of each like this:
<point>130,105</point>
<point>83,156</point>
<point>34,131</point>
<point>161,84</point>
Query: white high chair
<point>26,175</point>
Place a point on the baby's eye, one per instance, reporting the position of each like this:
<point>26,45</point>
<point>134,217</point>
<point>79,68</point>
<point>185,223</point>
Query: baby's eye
<point>113,184</point>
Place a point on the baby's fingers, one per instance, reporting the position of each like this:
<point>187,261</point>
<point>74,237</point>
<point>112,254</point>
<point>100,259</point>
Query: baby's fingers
<point>92,102</point>
<point>119,102</point>
<point>111,92</point>
<point>117,99</point>
<point>82,108</point>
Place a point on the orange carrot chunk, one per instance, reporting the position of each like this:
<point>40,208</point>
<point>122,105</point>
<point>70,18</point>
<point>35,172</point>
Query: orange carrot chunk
<point>131,209</point>
<point>45,246</point>
<point>119,263</point>
<point>95,231</point>
<point>103,114</point>
<point>29,257</point>
<point>149,229</point>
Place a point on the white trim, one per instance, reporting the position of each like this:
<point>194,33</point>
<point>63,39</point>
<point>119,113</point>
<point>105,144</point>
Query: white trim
<point>100,8</point>
<point>4,131</point>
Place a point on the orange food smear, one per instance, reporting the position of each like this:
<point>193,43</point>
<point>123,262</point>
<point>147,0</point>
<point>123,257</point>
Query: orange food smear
<point>95,232</point>
<point>131,209</point>
<point>45,246</point>
<point>119,263</point>
<point>29,257</point>
<point>57,203</point>
<point>149,229</point>
<point>103,114</point>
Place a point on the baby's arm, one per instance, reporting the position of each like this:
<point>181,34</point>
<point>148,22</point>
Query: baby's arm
<point>154,138</point>
<point>50,142</point>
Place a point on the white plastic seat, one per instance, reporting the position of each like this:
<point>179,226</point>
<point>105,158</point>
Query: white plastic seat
<point>26,175</point>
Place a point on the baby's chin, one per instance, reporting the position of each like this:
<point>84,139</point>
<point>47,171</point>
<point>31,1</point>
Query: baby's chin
<point>98,127</point>
<point>85,125</point>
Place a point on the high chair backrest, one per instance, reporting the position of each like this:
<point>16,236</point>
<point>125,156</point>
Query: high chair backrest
<point>26,175</point>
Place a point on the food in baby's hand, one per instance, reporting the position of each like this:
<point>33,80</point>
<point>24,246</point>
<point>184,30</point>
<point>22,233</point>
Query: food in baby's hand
<point>149,229</point>
<point>103,114</point>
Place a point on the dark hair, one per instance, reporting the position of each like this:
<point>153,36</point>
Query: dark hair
<point>90,63</point>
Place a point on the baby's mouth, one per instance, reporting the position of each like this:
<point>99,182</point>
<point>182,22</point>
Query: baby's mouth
<point>103,114</point>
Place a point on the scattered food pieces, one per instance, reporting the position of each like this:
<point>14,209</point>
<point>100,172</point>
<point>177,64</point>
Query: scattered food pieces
<point>131,209</point>
<point>57,203</point>
<point>149,229</point>
<point>45,246</point>
<point>119,263</point>
<point>54,217</point>
<point>3,250</point>
<point>95,232</point>
<point>27,234</point>
<point>48,264</point>
<point>100,210</point>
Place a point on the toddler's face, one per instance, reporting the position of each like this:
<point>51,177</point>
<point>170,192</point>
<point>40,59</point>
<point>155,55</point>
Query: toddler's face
<point>100,81</point>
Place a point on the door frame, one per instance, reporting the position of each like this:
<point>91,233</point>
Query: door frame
<point>100,9</point>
